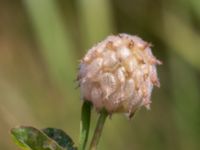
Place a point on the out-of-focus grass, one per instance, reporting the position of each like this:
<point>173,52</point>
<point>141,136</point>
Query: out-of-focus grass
<point>39,57</point>
<point>182,38</point>
<point>57,47</point>
<point>186,102</point>
<point>96,20</point>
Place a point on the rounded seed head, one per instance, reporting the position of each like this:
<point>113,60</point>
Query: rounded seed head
<point>118,74</point>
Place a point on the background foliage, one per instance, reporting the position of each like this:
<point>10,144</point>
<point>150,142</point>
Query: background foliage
<point>41,42</point>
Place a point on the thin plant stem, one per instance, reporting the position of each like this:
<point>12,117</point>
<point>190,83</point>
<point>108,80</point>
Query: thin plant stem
<point>84,125</point>
<point>98,130</point>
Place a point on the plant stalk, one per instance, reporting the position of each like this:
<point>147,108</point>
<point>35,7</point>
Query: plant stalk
<point>98,130</point>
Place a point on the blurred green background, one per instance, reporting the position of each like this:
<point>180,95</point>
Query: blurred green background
<point>41,42</point>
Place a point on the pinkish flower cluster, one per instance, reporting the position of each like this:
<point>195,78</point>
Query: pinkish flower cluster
<point>118,74</point>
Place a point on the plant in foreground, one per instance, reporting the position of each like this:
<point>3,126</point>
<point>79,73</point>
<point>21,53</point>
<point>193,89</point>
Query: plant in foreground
<point>115,76</point>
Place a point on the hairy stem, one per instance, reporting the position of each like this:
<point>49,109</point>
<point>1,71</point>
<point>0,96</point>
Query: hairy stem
<point>98,130</point>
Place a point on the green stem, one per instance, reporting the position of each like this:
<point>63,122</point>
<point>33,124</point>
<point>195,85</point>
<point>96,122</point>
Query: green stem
<point>98,130</point>
<point>84,125</point>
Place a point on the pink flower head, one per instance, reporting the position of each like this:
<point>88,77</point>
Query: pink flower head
<point>118,74</point>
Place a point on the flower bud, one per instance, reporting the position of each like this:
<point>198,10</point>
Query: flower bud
<point>118,74</point>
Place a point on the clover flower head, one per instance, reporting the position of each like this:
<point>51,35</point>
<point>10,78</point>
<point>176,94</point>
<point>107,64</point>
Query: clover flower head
<point>118,74</point>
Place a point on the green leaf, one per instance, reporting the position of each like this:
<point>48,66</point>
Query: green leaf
<point>85,124</point>
<point>60,137</point>
<point>29,138</point>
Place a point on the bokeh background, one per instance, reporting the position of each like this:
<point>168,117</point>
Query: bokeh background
<point>41,42</point>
